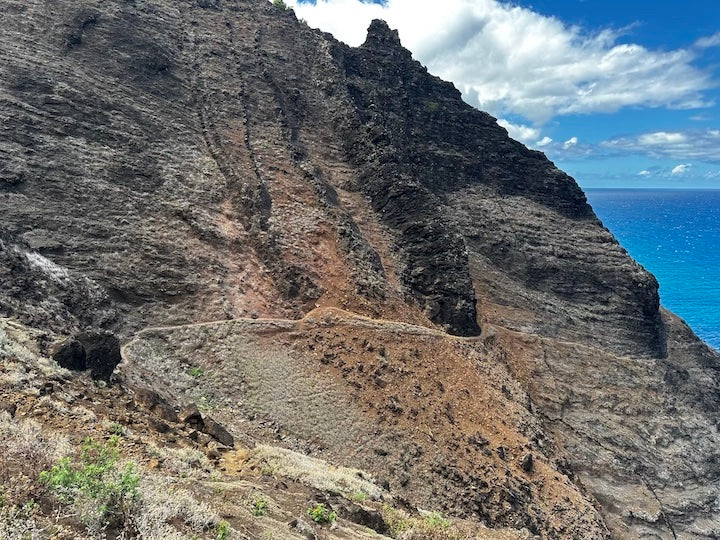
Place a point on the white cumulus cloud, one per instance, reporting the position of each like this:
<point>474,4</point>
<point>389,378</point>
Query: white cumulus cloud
<point>680,169</point>
<point>708,41</point>
<point>644,172</point>
<point>701,145</point>
<point>508,59</point>
<point>543,142</point>
<point>572,141</point>
<point>519,132</point>
<point>662,138</point>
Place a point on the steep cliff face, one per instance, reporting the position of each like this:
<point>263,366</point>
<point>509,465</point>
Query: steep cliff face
<point>139,128</point>
<point>170,163</point>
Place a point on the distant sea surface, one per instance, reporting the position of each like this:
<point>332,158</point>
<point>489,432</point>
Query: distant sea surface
<point>675,234</point>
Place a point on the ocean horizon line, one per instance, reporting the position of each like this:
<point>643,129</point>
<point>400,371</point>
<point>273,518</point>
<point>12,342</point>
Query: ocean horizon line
<point>650,188</point>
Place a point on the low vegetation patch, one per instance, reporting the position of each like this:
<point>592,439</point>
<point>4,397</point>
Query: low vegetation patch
<point>319,513</point>
<point>429,526</point>
<point>196,372</point>
<point>258,506</point>
<point>223,530</point>
<point>96,485</point>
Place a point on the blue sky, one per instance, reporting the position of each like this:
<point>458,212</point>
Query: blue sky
<point>618,94</point>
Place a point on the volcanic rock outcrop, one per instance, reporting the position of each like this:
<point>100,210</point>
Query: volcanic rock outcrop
<point>437,286</point>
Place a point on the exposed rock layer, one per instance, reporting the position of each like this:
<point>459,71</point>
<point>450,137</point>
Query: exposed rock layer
<point>173,162</point>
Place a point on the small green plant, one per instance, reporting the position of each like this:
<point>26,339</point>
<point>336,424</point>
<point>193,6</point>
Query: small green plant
<point>321,514</point>
<point>397,521</point>
<point>223,530</point>
<point>435,520</point>
<point>29,507</point>
<point>196,372</point>
<point>258,506</point>
<point>359,496</point>
<point>280,4</point>
<point>117,429</point>
<point>95,478</point>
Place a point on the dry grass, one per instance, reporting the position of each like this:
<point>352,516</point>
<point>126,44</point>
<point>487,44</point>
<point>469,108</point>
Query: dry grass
<point>315,472</point>
<point>183,462</point>
<point>27,449</point>
<point>166,512</point>
<point>434,526</point>
<point>23,368</point>
<point>17,524</point>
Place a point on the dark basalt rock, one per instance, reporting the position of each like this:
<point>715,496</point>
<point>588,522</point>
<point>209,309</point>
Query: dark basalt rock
<point>274,152</point>
<point>13,172</point>
<point>158,425</point>
<point>190,414</point>
<point>85,19</point>
<point>527,463</point>
<point>9,408</point>
<point>384,40</point>
<point>103,353</point>
<point>38,292</point>
<point>155,403</point>
<point>217,431</point>
<point>367,517</point>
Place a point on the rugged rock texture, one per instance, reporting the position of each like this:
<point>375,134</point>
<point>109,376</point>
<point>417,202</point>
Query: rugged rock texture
<point>175,162</point>
<point>248,140</point>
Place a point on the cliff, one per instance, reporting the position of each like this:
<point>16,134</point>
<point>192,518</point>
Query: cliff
<point>387,280</point>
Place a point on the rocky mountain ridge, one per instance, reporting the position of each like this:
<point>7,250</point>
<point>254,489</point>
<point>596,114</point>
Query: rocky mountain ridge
<point>166,164</point>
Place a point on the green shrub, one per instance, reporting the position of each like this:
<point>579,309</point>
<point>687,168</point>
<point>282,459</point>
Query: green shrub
<point>259,506</point>
<point>432,526</point>
<point>117,429</point>
<point>435,520</point>
<point>397,521</point>
<point>320,514</point>
<point>95,484</point>
<point>280,4</point>
<point>223,530</point>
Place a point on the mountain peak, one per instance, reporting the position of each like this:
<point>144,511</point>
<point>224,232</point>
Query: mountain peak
<point>381,36</point>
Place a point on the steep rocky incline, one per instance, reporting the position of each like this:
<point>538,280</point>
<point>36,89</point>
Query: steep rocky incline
<point>167,163</point>
<point>149,144</point>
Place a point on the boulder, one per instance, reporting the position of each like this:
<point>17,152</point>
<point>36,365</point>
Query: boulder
<point>527,463</point>
<point>190,414</point>
<point>367,517</point>
<point>155,403</point>
<point>218,432</point>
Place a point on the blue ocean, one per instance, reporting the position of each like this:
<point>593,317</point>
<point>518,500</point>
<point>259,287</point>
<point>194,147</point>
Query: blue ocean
<point>675,234</point>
